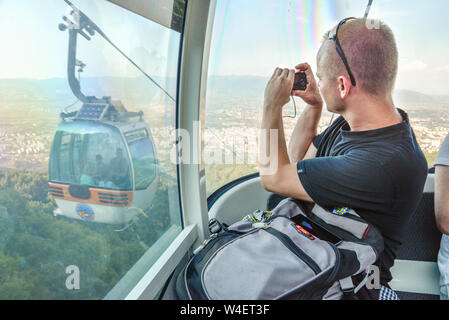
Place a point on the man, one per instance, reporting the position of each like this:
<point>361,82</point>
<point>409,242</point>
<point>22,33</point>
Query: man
<point>368,159</point>
<point>119,169</point>
<point>87,177</point>
<point>100,168</point>
<point>442,214</point>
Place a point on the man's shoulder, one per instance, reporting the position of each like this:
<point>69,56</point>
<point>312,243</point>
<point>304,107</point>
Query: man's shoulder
<point>404,156</point>
<point>406,166</point>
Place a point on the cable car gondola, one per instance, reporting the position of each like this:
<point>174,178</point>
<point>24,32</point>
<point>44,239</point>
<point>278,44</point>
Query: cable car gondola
<point>103,163</point>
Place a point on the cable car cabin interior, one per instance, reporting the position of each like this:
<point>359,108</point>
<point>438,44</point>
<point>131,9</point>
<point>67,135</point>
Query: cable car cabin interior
<point>175,66</point>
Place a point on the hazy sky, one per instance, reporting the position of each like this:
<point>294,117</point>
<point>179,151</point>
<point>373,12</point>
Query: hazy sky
<point>254,36</point>
<point>33,47</point>
<point>251,37</point>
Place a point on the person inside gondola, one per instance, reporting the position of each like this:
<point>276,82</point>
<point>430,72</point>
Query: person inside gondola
<point>119,169</point>
<point>87,177</point>
<point>100,169</point>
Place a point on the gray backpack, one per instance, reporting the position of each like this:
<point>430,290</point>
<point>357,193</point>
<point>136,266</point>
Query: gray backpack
<point>293,252</point>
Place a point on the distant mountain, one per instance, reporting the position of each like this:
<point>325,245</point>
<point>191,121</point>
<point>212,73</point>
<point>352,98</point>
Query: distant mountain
<point>220,89</point>
<point>241,86</point>
<point>416,99</point>
<point>251,87</point>
<point>57,90</point>
<point>27,90</point>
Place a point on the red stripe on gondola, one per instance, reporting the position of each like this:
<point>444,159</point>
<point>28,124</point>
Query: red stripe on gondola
<point>114,198</point>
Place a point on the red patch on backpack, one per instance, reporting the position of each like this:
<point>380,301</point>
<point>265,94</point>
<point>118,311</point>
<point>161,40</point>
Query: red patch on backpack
<point>303,231</point>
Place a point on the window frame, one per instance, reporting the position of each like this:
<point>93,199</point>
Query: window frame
<point>191,92</point>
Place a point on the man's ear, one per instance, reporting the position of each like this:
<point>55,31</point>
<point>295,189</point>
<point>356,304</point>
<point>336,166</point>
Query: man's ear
<point>344,86</point>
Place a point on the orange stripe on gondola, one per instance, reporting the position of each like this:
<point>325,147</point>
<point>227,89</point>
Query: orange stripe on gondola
<point>105,197</point>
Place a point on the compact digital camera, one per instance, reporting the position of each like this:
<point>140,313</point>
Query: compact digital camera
<point>300,81</point>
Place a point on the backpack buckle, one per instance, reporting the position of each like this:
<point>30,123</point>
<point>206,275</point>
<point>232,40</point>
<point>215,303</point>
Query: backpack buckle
<point>214,226</point>
<point>347,285</point>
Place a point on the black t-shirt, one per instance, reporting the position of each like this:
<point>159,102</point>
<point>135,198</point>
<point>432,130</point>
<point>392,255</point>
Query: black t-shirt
<point>379,173</point>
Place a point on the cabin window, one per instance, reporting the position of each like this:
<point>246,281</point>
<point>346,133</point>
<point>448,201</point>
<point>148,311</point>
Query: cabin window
<point>62,160</point>
<point>95,156</point>
<point>143,158</point>
<point>52,247</point>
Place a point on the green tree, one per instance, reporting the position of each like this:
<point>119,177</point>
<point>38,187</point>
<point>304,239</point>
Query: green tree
<point>36,247</point>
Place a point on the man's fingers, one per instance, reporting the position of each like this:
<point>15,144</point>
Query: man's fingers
<point>278,72</point>
<point>309,73</point>
<point>285,73</point>
<point>291,75</point>
<point>274,74</point>
<point>306,68</point>
<point>302,67</point>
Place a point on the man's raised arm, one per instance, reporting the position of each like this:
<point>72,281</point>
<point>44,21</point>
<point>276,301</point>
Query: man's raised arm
<point>278,174</point>
<point>301,146</point>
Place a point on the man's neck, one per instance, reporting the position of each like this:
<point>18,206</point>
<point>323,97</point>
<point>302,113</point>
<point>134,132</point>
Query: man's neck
<point>371,114</point>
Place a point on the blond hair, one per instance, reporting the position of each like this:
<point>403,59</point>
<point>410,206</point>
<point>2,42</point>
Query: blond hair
<point>371,52</point>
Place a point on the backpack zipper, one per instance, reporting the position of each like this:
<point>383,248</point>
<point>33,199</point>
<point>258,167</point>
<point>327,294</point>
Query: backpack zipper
<point>349,216</point>
<point>289,244</point>
<point>334,247</point>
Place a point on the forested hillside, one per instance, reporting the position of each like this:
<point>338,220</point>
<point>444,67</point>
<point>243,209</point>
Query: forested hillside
<point>36,247</point>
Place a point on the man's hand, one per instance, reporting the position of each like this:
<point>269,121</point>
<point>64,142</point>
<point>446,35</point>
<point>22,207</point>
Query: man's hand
<point>279,88</point>
<point>311,95</point>
<point>282,177</point>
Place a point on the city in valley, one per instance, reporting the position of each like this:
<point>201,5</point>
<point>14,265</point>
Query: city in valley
<point>28,124</point>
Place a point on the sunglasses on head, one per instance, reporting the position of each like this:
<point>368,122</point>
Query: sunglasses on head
<point>340,50</point>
